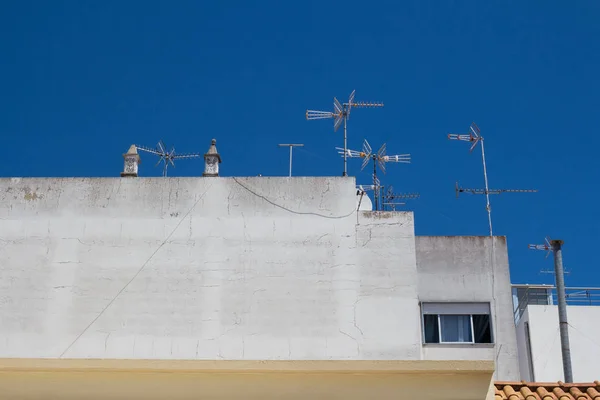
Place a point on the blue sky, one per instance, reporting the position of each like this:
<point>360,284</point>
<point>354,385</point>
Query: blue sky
<point>80,81</point>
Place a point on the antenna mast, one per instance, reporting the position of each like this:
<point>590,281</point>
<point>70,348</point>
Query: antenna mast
<point>168,157</point>
<point>555,246</point>
<point>474,136</point>
<point>380,158</point>
<point>291,146</point>
<point>341,112</point>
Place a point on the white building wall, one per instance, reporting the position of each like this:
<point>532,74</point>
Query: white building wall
<point>230,268</point>
<point>203,268</point>
<point>462,269</point>
<point>523,347</point>
<point>546,356</point>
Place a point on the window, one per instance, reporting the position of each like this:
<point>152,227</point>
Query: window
<point>456,323</point>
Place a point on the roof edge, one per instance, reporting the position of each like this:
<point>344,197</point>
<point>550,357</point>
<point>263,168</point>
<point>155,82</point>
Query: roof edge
<point>279,366</point>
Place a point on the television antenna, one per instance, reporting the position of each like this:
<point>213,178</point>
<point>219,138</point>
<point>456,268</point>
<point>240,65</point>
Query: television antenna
<point>389,198</point>
<point>341,112</point>
<point>379,159</point>
<point>549,271</point>
<point>459,189</point>
<point>168,157</point>
<point>547,246</point>
<point>474,137</point>
<point>291,146</point>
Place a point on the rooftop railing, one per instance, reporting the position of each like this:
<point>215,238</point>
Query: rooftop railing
<point>524,295</point>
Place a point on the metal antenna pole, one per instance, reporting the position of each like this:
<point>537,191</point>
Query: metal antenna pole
<point>556,247</point>
<point>487,191</point>
<point>345,147</point>
<point>562,310</point>
<point>375,184</point>
<point>291,145</point>
<point>341,112</point>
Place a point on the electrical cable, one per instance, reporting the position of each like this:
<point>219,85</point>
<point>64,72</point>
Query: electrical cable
<point>584,335</point>
<point>293,211</point>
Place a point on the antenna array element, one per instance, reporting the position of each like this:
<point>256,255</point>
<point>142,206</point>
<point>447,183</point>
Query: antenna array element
<point>547,246</point>
<point>389,198</point>
<point>341,112</point>
<point>459,189</point>
<point>379,159</point>
<point>168,157</point>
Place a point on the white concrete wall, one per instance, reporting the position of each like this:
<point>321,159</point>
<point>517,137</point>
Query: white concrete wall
<point>231,268</point>
<point>584,325</point>
<point>460,269</point>
<point>522,349</point>
<point>203,268</point>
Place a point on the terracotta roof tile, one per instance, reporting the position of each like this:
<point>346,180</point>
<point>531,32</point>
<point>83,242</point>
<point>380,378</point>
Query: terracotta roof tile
<point>546,391</point>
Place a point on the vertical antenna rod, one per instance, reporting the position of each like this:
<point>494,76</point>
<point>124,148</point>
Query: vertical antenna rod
<point>488,207</point>
<point>291,146</point>
<point>556,247</point>
<point>341,112</point>
<point>379,159</point>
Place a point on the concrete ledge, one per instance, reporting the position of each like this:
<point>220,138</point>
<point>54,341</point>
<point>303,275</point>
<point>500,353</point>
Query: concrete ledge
<point>233,366</point>
<point>69,379</point>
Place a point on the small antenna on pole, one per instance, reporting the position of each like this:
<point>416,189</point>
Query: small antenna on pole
<point>549,271</point>
<point>547,247</point>
<point>389,198</point>
<point>341,112</point>
<point>379,159</point>
<point>291,146</point>
<point>168,157</point>
<point>474,137</point>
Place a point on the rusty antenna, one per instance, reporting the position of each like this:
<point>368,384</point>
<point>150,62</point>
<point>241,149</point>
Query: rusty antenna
<point>474,137</point>
<point>168,157</point>
<point>390,198</point>
<point>341,112</point>
<point>379,159</point>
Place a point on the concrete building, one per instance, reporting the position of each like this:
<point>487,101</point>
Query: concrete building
<point>228,271</point>
<point>536,314</point>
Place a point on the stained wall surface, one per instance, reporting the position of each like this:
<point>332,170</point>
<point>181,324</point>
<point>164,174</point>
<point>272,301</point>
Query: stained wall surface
<point>465,269</point>
<point>230,268</point>
<point>203,268</point>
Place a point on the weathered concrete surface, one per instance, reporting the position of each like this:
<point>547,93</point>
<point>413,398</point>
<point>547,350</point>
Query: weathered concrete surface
<point>203,268</point>
<point>230,268</point>
<point>470,269</point>
<point>545,360</point>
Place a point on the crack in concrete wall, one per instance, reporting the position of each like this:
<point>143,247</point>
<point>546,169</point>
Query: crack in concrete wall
<point>259,268</point>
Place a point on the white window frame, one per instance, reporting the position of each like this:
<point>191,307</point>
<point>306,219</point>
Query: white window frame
<point>456,308</point>
<point>439,318</point>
